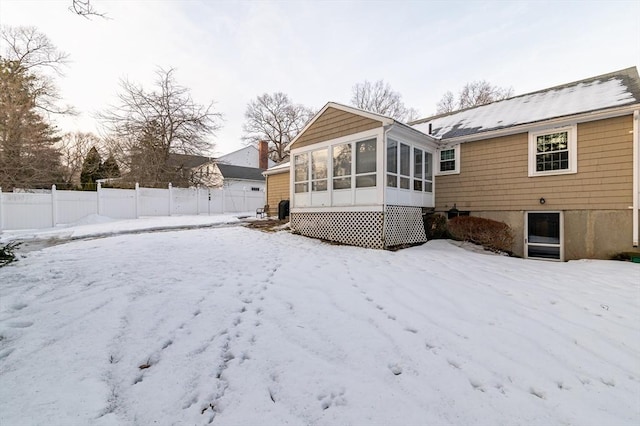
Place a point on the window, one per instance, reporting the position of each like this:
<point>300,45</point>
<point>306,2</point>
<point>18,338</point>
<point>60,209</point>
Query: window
<point>553,152</point>
<point>449,161</point>
<point>405,166</point>
<point>319,170</point>
<point>428,172</point>
<point>342,166</point>
<point>392,163</point>
<point>366,163</point>
<point>301,173</point>
<point>418,168</point>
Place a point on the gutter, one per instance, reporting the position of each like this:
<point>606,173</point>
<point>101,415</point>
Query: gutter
<point>636,176</point>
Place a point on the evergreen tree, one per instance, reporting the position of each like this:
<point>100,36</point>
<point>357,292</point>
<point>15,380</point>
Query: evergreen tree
<point>110,168</point>
<point>28,158</point>
<point>91,169</point>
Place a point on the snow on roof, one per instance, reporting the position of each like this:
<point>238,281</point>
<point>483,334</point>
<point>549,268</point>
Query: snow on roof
<point>593,94</point>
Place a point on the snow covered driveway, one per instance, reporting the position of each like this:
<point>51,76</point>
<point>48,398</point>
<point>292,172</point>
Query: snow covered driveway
<point>233,326</point>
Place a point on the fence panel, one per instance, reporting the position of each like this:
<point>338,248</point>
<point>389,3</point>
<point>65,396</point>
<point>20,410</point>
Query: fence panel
<point>184,201</point>
<point>26,210</point>
<point>154,202</point>
<point>74,205</point>
<point>118,203</point>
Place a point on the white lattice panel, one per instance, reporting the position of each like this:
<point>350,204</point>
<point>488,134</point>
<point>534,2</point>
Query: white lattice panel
<point>363,229</point>
<point>403,225</point>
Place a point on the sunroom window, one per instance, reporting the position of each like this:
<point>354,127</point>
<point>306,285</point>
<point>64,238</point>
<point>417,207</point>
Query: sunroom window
<point>405,166</point>
<point>418,169</point>
<point>366,163</point>
<point>301,175</point>
<point>552,152</point>
<point>428,172</point>
<point>392,163</point>
<point>342,166</point>
<point>319,170</point>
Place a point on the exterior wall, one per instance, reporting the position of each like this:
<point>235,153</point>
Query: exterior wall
<point>277,190</point>
<point>245,157</point>
<point>494,183</point>
<point>494,173</point>
<point>333,124</point>
<point>244,185</point>
<point>588,234</point>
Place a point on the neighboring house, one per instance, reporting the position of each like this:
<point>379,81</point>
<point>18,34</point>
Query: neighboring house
<point>560,166</point>
<point>194,169</point>
<point>229,176</point>
<point>249,156</point>
<point>360,178</point>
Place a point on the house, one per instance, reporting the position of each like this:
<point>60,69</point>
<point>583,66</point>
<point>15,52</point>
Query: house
<point>277,186</point>
<point>359,178</point>
<point>241,169</point>
<point>559,165</point>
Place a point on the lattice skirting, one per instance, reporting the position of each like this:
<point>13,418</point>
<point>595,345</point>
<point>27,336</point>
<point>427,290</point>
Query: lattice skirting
<point>362,229</point>
<point>403,225</point>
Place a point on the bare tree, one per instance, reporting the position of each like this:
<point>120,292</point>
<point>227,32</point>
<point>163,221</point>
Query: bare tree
<point>73,148</point>
<point>378,97</point>
<point>147,126</point>
<point>473,94</point>
<point>275,119</point>
<point>84,8</point>
<point>31,51</point>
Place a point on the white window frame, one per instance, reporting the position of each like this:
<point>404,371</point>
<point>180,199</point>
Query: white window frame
<point>456,152</point>
<point>572,147</point>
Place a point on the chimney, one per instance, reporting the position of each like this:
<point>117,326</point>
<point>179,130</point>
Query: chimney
<point>263,154</point>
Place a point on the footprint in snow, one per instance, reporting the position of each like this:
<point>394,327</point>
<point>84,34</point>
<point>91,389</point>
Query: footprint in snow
<point>20,324</point>
<point>395,368</point>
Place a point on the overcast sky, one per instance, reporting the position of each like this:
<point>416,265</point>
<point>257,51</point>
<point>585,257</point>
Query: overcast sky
<point>231,52</point>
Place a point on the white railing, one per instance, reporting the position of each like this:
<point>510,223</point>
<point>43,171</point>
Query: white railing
<point>24,210</point>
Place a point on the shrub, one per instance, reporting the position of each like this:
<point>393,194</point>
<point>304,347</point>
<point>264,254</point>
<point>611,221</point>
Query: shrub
<point>435,226</point>
<point>6,253</point>
<point>491,234</point>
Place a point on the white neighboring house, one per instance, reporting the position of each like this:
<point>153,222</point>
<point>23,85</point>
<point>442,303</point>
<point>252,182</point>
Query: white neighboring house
<point>249,156</point>
<point>229,176</point>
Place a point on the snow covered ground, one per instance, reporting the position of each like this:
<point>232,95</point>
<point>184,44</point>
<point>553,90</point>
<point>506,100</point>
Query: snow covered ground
<point>233,326</point>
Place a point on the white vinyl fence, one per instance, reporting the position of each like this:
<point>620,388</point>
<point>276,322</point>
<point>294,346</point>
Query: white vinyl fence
<point>24,210</point>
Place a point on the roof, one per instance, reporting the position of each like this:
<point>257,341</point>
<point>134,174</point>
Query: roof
<point>238,172</point>
<point>188,161</point>
<point>280,168</point>
<point>615,89</point>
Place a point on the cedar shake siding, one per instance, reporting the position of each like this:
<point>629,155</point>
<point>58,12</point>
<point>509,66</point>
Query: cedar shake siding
<point>494,174</point>
<point>332,124</point>
<point>277,190</point>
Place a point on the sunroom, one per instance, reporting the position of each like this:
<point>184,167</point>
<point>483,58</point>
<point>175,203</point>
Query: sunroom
<point>361,178</point>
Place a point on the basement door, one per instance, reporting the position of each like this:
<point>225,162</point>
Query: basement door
<point>544,235</point>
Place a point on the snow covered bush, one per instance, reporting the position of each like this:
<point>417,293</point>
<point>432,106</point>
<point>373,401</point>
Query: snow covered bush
<point>491,234</point>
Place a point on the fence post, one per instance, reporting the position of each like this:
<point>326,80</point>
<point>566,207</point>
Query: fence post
<point>223,200</point>
<point>170,198</point>
<point>54,206</point>
<point>209,201</point>
<point>137,201</point>
<point>99,198</point>
<point>1,210</point>
<point>198,200</point>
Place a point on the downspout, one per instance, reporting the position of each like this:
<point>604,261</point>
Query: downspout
<point>636,175</point>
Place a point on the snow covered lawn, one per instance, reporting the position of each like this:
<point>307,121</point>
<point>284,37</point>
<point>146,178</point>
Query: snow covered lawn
<point>233,326</point>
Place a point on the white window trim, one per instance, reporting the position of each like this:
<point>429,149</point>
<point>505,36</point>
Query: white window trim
<point>436,162</point>
<point>572,134</point>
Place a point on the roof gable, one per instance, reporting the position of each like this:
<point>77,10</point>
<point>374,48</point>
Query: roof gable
<point>616,89</point>
<point>335,120</point>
